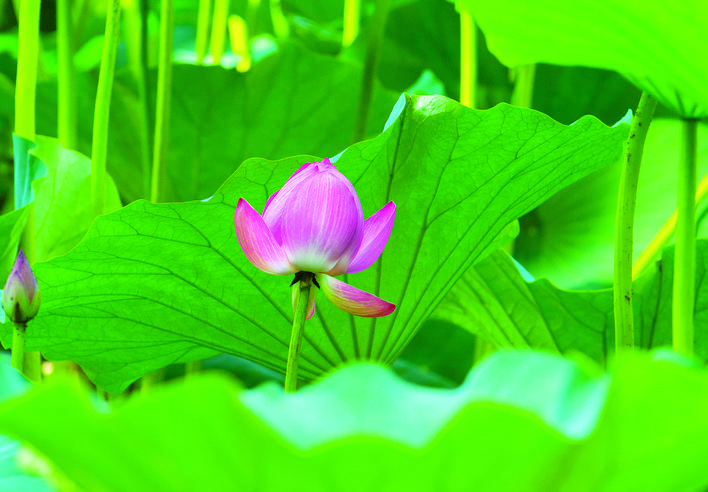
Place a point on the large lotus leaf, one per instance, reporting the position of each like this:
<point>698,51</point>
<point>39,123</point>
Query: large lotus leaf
<point>61,190</point>
<point>154,284</point>
<point>570,238</point>
<point>493,301</point>
<point>292,102</point>
<point>659,46</point>
<point>524,420</point>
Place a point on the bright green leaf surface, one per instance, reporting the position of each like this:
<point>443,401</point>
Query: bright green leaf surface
<point>527,421</point>
<point>493,301</point>
<point>157,284</point>
<point>570,238</point>
<point>659,46</point>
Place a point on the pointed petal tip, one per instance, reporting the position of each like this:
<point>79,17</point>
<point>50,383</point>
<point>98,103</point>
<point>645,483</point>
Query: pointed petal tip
<point>353,300</point>
<point>257,242</point>
<point>377,231</point>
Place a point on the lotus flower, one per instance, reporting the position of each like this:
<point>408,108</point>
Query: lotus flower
<point>315,224</point>
<point>21,297</point>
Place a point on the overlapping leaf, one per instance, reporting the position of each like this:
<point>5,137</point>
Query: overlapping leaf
<point>526,421</point>
<point>492,300</point>
<point>658,46</point>
<point>156,284</point>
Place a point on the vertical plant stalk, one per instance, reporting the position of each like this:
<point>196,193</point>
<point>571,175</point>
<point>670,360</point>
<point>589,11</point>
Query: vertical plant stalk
<point>164,91</point>
<point>468,59</point>
<point>101,115</point>
<point>202,42</point>
<point>524,77</point>
<point>664,235</point>
<point>18,346</point>
<point>280,23</point>
<point>303,294</point>
<point>238,35</point>
<point>371,61</point>
<point>66,80</point>
<point>352,10</point>
<point>218,30</point>
<point>624,222</point>
<point>136,34</point>
<point>685,256</point>
<point>252,15</point>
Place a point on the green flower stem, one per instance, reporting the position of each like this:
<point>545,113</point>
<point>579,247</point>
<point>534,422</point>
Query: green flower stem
<point>203,17</point>
<point>523,76</point>
<point>624,222</point>
<point>219,26</point>
<point>685,258</point>
<point>164,91</point>
<point>66,79</point>
<point>280,23</point>
<point>371,61</point>
<point>18,346</point>
<point>664,235</point>
<point>99,147</point>
<point>303,294</point>
<point>33,366</point>
<point>27,60</point>
<point>135,16</point>
<point>468,59</point>
<point>351,22</point>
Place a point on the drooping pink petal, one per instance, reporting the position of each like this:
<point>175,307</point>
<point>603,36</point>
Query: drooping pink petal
<point>310,302</point>
<point>258,243</point>
<point>317,218</point>
<point>377,230</point>
<point>353,300</point>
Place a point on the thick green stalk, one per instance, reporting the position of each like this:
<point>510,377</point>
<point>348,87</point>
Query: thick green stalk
<point>352,10</point>
<point>99,147</point>
<point>303,295</point>
<point>164,91</point>
<point>685,257</point>
<point>371,61</point>
<point>280,23</point>
<point>524,76</point>
<point>624,222</point>
<point>18,346</point>
<point>468,59</point>
<point>66,79</point>
<point>202,42</point>
<point>27,59</point>
<point>219,26</point>
<point>134,23</point>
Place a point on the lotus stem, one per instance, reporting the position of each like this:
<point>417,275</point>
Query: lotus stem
<point>164,91</point>
<point>685,256</point>
<point>18,346</point>
<point>624,222</point>
<point>203,17</point>
<point>218,30</point>
<point>468,59</point>
<point>238,35</point>
<point>66,80</point>
<point>371,61</point>
<point>99,147</point>
<point>523,76</point>
<point>27,60</point>
<point>192,367</point>
<point>352,10</point>
<point>280,23</point>
<point>303,294</point>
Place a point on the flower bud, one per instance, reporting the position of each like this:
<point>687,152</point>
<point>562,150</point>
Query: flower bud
<point>21,297</point>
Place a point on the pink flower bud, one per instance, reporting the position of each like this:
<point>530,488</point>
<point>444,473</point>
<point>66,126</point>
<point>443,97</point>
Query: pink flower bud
<point>21,297</point>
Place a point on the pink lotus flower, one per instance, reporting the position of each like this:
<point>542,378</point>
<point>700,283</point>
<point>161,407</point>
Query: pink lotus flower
<point>315,224</point>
